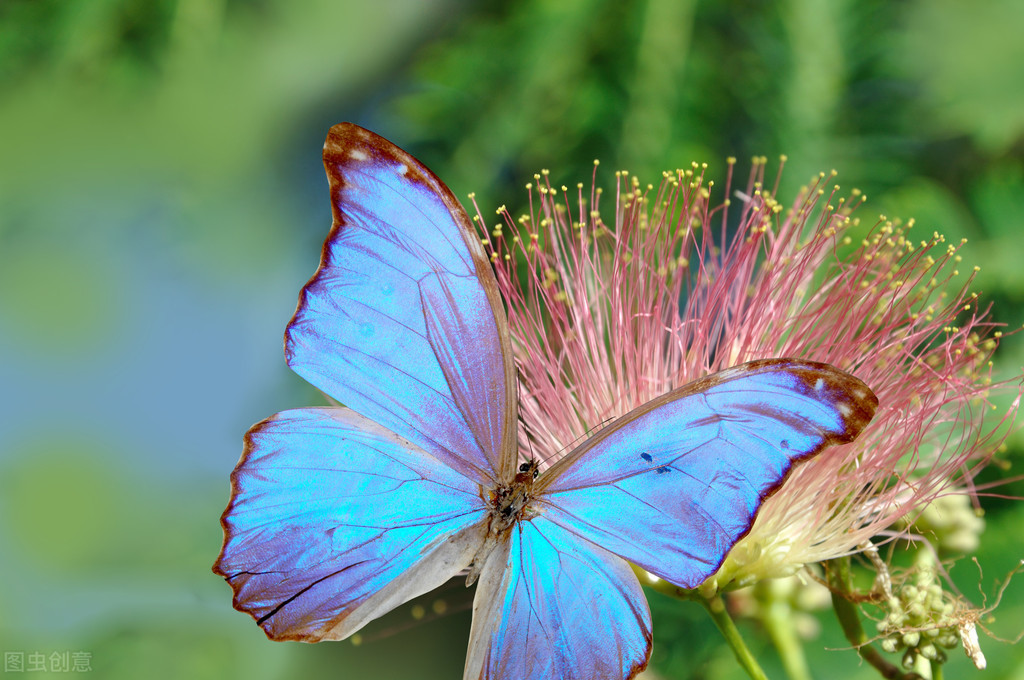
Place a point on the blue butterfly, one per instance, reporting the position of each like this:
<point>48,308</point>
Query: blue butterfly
<point>339,515</point>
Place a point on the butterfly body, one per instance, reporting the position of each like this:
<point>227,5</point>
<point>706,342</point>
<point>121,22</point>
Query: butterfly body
<point>508,504</point>
<point>511,502</point>
<point>338,515</point>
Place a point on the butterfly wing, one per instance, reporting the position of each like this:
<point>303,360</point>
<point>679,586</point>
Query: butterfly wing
<point>403,321</point>
<point>335,517</point>
<point>334,521</point>
<point>552,606</point>
<point>674,484</point>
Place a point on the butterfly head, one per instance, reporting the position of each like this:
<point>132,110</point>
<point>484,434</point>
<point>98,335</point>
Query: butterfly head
<point>528,470</point>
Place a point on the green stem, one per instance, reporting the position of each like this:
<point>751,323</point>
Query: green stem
<point>778,621</point>
<point>936,670</point>
<point>841,583</point>
<point>716,608</point>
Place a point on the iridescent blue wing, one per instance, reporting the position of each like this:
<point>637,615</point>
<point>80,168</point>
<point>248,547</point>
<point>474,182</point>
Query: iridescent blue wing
<point>553,606</point>
<point>334,521</point>
<point>403,321</point>
<point>674,484</point>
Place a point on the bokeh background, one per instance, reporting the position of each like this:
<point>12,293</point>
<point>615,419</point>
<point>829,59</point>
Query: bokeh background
<point>162,200</point>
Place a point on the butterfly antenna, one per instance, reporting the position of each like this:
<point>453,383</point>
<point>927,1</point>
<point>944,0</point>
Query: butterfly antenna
<point>519,414</point>
<point>531,438</point>
<point>572,444</point>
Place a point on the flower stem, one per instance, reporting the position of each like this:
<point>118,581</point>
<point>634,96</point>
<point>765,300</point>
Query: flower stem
<point>778,621</point>
<point>936,670</point>
<point>841,583</point>
<point>716,608</point>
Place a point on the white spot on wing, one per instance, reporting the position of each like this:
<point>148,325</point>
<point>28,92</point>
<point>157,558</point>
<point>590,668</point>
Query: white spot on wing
<point>358,155</point>
<point>844,408</point>
<point>402,168</point>
<point>819,383</point>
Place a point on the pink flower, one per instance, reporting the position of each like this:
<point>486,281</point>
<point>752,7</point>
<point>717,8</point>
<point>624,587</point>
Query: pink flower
<point>606,315</point>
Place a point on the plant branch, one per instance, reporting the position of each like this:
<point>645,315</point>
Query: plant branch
<point>840,582</point>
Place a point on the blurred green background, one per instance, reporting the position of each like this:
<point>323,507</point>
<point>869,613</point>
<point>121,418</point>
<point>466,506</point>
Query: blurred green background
<point>162,200</point>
